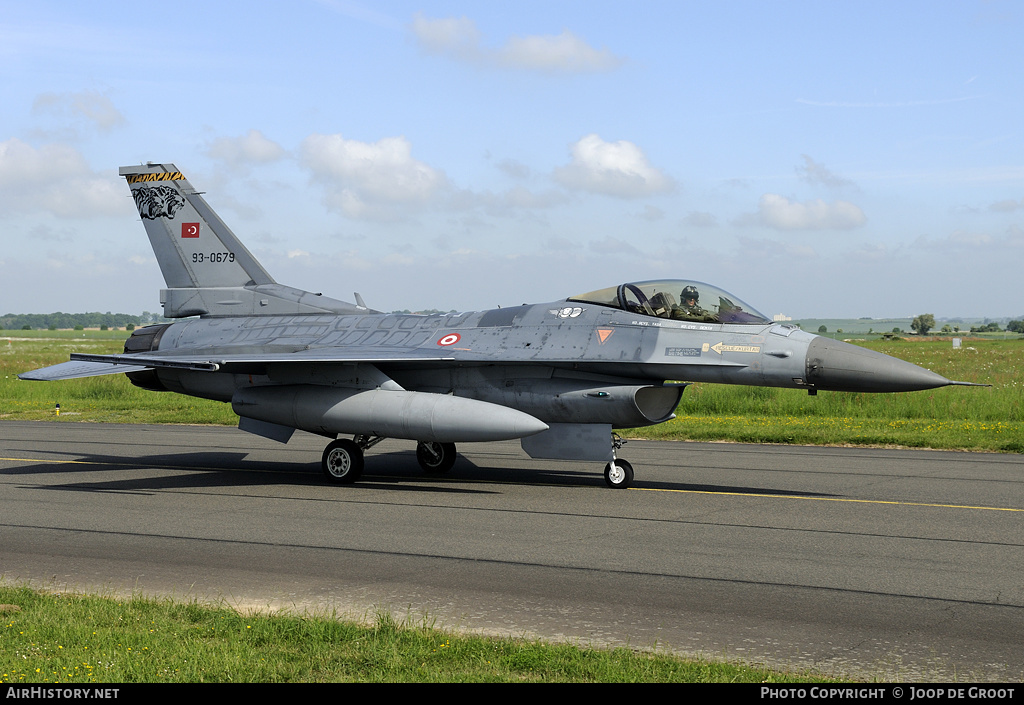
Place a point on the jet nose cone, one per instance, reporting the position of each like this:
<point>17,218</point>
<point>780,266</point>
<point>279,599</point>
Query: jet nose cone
<point>842,367</point>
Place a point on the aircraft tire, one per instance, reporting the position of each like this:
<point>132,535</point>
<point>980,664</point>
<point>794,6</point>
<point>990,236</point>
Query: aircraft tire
<point>435,458</point>
<point>618,476</point>
<point>342,462</point>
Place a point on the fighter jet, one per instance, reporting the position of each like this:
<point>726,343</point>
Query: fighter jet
<point>560,376</point>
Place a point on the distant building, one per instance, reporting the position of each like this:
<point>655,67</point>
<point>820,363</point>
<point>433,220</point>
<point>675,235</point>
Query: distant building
<point>779,317</point>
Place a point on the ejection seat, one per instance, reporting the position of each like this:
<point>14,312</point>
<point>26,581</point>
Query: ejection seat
<point>663,303</point>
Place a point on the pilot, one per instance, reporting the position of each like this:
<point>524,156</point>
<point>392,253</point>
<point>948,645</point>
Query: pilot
<point>690,309</point>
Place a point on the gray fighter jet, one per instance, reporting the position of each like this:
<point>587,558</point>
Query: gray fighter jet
<point>560,376</point>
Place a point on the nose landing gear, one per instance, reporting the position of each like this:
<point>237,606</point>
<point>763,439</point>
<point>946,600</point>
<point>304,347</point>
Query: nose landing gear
<point>618,474</point>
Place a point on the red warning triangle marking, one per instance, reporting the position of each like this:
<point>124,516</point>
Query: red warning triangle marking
<point>604,333</point>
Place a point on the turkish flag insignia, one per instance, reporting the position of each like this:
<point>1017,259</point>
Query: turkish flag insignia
<point>190,229</point>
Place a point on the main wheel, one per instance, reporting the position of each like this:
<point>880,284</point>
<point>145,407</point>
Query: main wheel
<point>435,458</point>
<point>618,474</point>
<point>343,462</point>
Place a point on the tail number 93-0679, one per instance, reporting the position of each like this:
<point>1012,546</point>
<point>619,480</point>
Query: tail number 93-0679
<point>214,257</point>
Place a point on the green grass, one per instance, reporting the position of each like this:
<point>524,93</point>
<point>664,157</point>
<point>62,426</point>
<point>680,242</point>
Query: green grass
<point>89,334</point>
<point>70,638</point>
<point>110,399</point>
<point>969,418</point>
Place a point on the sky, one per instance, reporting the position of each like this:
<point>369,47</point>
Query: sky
<point>841,159</point>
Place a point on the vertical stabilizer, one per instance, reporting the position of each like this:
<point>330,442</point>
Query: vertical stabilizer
<point>194,247</point>
<point>207,269</point>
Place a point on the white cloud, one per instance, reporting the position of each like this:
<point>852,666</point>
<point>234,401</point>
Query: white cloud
<point>1007,206</point>
<point>612,168</point>
<point>781,213</point>
<point>21,164</point>
<point>513,200</point>
<point>957,240</point>
<point>94,107</point>
<point>558,242</point>
<point>971,248</point>
<point>764,250</point>
<point>816,173</point>
<point>378,180</point>
<point>55,178</point>
<point>700,219</point>
<point>613,246</point>
<point>652,214</point>
<point>455,37</point>
<point>515,169</point>
<point>563,52</point>
<point>42,233</point>
<point>459,38</point>
<point>253,147</point>
<point>872,252</point>
<point>398,259</point>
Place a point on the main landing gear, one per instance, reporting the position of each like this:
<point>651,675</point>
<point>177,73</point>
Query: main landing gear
<point>342,462</point>
<point>435,458</point>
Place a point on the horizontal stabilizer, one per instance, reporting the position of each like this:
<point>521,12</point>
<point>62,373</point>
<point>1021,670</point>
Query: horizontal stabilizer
<point>142,362</point>
<point>79,368</point>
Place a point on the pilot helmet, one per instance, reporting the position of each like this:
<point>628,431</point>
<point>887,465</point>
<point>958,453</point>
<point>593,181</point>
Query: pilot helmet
<point>689,292</point>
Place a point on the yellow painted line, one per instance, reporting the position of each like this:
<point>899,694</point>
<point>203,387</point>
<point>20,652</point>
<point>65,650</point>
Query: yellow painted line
<point>60,460</point>
<point>830,499</point>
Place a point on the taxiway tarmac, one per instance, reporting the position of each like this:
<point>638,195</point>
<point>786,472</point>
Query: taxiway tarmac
<point>874,563</point>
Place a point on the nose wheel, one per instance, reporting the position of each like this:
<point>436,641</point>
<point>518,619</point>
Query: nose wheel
<point>618,474</point>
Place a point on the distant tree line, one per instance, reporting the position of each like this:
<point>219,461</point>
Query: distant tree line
<point>59,320</point>
<point>991,327</point>
<point>926,321</point>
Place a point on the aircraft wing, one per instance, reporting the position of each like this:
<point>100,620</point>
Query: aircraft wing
<point>87,365</point>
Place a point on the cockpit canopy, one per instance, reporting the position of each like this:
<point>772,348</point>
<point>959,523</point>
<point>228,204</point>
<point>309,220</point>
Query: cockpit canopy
<point>676,299</point>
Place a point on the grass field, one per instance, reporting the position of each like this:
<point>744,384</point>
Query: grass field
<point>110,399</point>
<point>76,639</point>
<point>968,418</point>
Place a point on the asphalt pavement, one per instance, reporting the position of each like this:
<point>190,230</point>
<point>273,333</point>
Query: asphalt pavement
<point>872,563</point>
